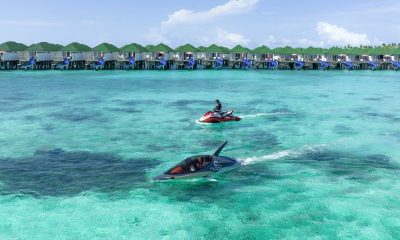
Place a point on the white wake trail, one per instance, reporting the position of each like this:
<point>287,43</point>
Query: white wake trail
<point>283,154</point>
<point>266,114</point>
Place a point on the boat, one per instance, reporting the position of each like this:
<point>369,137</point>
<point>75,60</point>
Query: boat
<point>215,117</point>
<point>200,166</point>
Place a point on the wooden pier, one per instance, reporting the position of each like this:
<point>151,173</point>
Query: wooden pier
<point>199,65</point>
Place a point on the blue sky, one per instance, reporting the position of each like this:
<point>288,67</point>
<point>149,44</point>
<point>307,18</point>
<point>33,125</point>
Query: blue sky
<point>226,22</point>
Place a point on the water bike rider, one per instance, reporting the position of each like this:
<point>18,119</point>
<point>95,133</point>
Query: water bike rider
<point>218,108</point>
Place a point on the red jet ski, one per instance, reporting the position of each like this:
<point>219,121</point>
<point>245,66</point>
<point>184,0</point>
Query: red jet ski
<point>214,117</point>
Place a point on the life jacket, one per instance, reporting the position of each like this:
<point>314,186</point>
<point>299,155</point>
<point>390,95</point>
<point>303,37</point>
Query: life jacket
<point>177,170</point>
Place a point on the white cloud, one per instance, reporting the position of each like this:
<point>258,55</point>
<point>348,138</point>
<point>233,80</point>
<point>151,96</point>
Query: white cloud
<point>232,7</point>
<point>334,34</point>
<point>229,39</point>
<point>327,35</point>
<point>156,36</point>
<point>188,25</point>
<point>271,40</point>
<point>305,42</point>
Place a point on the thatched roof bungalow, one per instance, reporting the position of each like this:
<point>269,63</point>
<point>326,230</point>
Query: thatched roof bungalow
<point>262,53</point>
<point>12,51</point>
<point>285,54</point>
<point>45,52</point>
<point>106,51</point>
<point>134,50</point>
<point>159,51</point>
<point>185,52</point>
<point>239,52</point>
<point>77,52</point>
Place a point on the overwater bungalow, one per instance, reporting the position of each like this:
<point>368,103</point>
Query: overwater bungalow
<point>42,55</point>
<point>263,58</point>
<point>312,54</point>
<point>75,55</point>
<point>159,51</point>
<point>133,56</point>
<point>362,58</point>
<point>185,52</point>
<point>287,57</point>
<point>285,54</point>
<point>201,56</point>
<point>226,53</point>
<point>359,54</point>
<point>11,53</point>
<point>159,57</point>
<point>396,59</point>
<point>185,56</point>
<point>213,56</point>
<point>213,52</point>
<point>395,53</point>
<point>239,52</point>
<point>262,53</point>
<point>314,58</point>
<point>335,54</point>
<point>240,57</point>
<point>382,54</point>
<point>200,50</point>
<point>105,56</point>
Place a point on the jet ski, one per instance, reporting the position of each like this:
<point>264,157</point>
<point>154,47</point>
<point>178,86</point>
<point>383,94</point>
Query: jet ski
<point>200,166</point>
<point>214,117</point>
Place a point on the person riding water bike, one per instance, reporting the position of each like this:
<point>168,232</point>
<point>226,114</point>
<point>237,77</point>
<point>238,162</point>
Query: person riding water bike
<point>218,107</point>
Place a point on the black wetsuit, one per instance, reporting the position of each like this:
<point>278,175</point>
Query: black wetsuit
<point>218,108</point>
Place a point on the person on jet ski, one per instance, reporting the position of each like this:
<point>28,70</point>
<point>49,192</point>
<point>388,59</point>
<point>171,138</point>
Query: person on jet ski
<point>218,107</point>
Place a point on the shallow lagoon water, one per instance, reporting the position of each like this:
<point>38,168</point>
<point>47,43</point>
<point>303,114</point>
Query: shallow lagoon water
<point>320,153</point>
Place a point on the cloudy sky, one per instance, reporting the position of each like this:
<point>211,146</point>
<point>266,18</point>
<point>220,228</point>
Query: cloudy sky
<point>225,22</point>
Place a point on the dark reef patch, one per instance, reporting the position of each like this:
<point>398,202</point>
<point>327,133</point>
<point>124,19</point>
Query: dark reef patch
<point>211,144</point>
<point>283,110</point>
<point>349,165</point>
<point>263,139</point>
<point>78,115</point>
<point>125,110</point>
<point>48,127</point>
<point>12,106</point>
<point>18,97</point>
<point>373,99</point>
<point>343,130</point>
<point>368,112</point>
<point>184,103</point>
<point>136,102</point>
<point>56,172</point>
<point>89,100</point>
<point>31,118</point>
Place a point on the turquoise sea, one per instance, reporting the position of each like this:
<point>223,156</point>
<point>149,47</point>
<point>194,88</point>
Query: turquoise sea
<point>320,154</point>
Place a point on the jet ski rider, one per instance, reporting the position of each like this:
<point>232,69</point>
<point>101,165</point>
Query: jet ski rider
<point>218,107</point>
